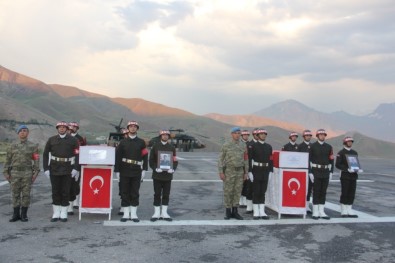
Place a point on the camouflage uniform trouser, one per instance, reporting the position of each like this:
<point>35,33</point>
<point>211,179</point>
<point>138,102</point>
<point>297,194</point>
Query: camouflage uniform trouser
<point>233,184</point>
<point>20,189</point>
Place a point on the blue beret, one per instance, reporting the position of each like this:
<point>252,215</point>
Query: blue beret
<point>21,127</point>
<point>235,129</point>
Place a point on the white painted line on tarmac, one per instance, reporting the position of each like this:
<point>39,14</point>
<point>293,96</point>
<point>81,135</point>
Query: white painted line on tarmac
<point>307,221</point>
<point>3,183</point>
<point>185,181</point>
<point>361,215</point>
<point>391,175</point>
<point>359,181</point>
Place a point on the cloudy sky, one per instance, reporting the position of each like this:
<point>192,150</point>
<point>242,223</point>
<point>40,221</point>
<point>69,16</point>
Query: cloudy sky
<point>224,56</point>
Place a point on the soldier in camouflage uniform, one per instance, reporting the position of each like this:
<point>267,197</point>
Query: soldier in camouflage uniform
<point>232,169</point>
<point>245,135</point>
<point>21,169</point>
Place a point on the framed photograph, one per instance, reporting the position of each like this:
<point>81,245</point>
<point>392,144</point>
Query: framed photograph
<point>353,162</point>
<point>165,160</point>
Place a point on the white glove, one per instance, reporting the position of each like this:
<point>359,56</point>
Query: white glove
<point>360,171</point>
<point>351,170</point>
<point>158,170</point>
<point>47,173</point>
<point>251,177</point>
<point>77,176</point>
<point>117,175</point>
<point>330,176</point>
<point>142,175</point>
<point>311,176</point>
<point>170,171</point>
<point>74,173</point>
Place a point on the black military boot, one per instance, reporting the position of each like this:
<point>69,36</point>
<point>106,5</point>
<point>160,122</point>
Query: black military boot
<point>16,216</point>
<point>228,214</point>
<point>24,214</point>
<point>235,214</point>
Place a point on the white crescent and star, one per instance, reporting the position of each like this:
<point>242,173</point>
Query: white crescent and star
<point>289,185</point>
<point>94,178</point>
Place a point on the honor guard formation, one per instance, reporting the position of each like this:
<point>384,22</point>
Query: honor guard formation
<point>245,167</point>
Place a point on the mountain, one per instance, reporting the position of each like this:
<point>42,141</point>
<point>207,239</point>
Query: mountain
<point>379,124</point>
<point>40,105</point>
<point>253,121</point>
<point>151,109</point>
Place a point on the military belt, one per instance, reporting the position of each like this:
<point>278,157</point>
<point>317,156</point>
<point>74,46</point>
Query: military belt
<point>21,168</point>
<point>260,164</point>
<point>131,161</point>
<point>58,159</point>
<point>320,166</point>
<point>236,168</point>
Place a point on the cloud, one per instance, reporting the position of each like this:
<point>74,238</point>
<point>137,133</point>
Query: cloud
<point>235,56</point>
<point>138,15</point>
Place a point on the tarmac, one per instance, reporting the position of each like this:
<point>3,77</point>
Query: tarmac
<point>198,232</point>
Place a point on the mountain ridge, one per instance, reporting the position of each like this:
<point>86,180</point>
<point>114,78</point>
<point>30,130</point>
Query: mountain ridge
<point>24,99</point>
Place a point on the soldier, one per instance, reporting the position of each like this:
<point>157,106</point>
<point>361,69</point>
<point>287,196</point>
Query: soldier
<point>305,147</point>
<point>232,169</point>
<point>131,163</point>
<point>292,146</point>
<point>161,177</point>
<point>249,183</point>
<point>245,134</point>
<point>61,165</point>
<point>75,185</point>
<point>125,133</point>
<point>20,170</point>
<point>348,178</point>
<point>261,165</point>
<point>320,171</point>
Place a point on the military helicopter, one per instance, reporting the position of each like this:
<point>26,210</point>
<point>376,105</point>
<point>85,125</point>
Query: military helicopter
<point>115,137</point>
<point>181,141</point>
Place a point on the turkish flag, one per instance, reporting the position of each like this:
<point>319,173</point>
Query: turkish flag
<point>95,187</point>
<point>294,188</point>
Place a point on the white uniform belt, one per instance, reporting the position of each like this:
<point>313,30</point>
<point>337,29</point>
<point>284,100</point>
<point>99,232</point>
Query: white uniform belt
<point>260,164</point>
<point>131,161</point>
<point>58,159</point>
<point>320,166</point>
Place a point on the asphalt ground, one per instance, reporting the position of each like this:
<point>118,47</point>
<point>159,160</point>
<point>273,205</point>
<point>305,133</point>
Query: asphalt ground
<point>199,233</point>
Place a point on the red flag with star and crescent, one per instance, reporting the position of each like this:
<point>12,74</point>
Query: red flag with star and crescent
<point>96,187</point>
<point>294,188</point>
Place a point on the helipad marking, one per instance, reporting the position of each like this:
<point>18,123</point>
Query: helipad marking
<point>251,222</point>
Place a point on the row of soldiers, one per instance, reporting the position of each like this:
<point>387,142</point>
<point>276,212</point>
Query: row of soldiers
<point>21,169</point>
<point>61,166</point>
<point>245,167</point>
<point>239,161</point>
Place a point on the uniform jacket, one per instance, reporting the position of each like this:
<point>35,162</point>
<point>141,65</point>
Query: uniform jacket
<point>261,153</point>
<point>132,149</point>
<point>233,155</point>
<point>322,155</point>
<point>289,147</point>
<point>66,147</point>
<point>81,140</point>
<point>153,161</point>
<point>22,159</point>
<point>342,165</point>
<point>304,147</point>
